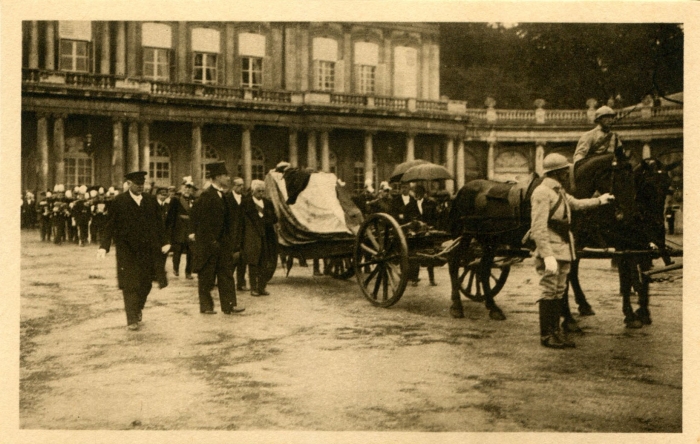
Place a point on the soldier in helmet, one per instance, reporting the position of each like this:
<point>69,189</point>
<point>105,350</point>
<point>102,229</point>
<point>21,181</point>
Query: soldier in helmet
<point>81,214</point>
<point>551,215</point>
<point>44,212</point>
<point>59,215</point>
<point>601,139</point>
<point>98,209</point>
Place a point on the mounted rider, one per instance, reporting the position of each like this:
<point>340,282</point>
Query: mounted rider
<point>550,229</point>
<point>601,139</point>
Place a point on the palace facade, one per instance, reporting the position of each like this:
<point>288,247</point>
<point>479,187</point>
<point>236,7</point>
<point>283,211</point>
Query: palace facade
<point>104,97</point>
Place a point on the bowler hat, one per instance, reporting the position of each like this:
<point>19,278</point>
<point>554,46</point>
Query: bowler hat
<point>138,177</point>
<point>216,169</point>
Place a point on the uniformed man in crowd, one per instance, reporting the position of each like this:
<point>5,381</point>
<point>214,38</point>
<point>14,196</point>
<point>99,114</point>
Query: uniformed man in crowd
<point>601,139</point>
<point>70,198</point>
<point>98,209</point>
<point>210,230</point>
<point>135,225</point>
<point>44,209</point>
<point>59,215</point>
<point>28,211</point>
<point>178,226</point>
<point>551,217</point>
<point>81,215</point>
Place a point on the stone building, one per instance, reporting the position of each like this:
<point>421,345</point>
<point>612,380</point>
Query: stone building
<point>103,97</point>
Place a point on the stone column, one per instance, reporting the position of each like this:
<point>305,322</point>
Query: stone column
<point>450,162</point>
<point>49,58</point>
<point>34,46</point>
<point>410,146</point>
<point>424,71</point>
<point>182,61</point>
<point>145,142</point>
<point>247,155</point>
<point>59,147</point>
<point>120,66</point>
<point>230,50</point>
<point>325,153</point>
<point>490,159</point>
<point>196,153</point>
<point>304,62</point>
<point>311,150</point>
<point>460,173</point>
<point>646,151</point>
<point>293,148</point>
<point>42,149</point>
<point>105,58</point>
<point>369,168</point>
<point>132,153</point>
<point>539,158</point>
<point>131,49</point>
<point>117,153</point>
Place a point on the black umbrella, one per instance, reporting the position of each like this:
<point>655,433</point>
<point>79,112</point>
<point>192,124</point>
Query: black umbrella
<point>403,167</point>
<point>426,171</point>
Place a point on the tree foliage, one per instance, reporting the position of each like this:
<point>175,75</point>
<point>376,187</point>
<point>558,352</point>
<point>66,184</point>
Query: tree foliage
<point>563,63</point>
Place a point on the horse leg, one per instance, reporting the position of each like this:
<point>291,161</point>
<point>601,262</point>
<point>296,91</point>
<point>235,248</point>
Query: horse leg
<point>569,325</point>
<point>486,262</point>
<point>625,272</point>
<point>641,286</point>
<point>584,308</point>
<point>453,260</point>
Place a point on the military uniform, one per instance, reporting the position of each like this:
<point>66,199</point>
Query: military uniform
<point>44,208</point>
<point>178,226</point>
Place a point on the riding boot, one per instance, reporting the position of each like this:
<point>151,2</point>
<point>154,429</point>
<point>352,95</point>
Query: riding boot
<point>549,324</point>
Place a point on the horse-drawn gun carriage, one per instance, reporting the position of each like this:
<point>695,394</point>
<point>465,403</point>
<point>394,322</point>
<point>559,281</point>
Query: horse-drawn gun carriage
<point>487,222</point>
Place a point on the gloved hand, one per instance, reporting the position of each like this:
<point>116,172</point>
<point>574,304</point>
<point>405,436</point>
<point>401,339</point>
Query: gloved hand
<point>165,248</point>
<point>101,253</point>
<point>606,198</point>
<point>191,237</point>
<point>550,265</point>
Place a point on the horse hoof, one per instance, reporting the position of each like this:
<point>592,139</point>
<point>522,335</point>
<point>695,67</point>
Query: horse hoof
<point>585,310</point>
<point>457,313</point>
<point>497,315</point>
<point>635,323</point>
<point>571,327</point>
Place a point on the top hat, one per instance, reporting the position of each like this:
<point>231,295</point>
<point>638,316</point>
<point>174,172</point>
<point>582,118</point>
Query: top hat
<point>138,177</point>
<point>216,169</point>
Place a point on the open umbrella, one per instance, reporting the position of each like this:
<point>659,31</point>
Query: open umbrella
<point>426,171</point>
<point>403,167</point>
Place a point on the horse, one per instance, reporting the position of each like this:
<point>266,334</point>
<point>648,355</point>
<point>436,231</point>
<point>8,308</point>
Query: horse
<point>497,215</point>
<point>634,223</point>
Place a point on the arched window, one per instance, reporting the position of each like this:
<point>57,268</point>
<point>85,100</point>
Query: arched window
<point>79,167</point>
<point>209,155</point>
<point>257,165</point>
<point>359,176</point>
<point>159,168</point>
<point>511,165</point>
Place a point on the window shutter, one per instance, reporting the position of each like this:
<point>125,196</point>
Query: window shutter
<point>339,81</point>
<point>267,73</point>
<point>381,80</point>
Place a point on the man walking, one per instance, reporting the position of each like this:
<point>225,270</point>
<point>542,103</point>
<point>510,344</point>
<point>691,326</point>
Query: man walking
<point>260,240</point>
<point>178,225</point>
<point>210,227</point>
<point>139,236</point>
<point>551,216</point>
<point>236,200</point>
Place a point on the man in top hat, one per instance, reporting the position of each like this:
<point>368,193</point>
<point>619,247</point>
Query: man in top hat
<point>601,139</point>
<point>210,229</point>
<point>551,216</point>
<point>139,235</point>
<point>178,226</point>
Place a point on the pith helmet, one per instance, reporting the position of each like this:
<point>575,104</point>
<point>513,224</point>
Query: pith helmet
<point>604,111</point>
<point>553,162</point>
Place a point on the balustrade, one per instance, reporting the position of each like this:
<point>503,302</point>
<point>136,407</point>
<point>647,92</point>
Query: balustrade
<point>431,105</point>
<point>348,99</point>
<point>391,103</point>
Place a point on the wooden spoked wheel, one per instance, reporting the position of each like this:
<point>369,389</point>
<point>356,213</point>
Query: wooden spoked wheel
<point>482,277</point>
<point>381,260</point>
<point>340,267</point>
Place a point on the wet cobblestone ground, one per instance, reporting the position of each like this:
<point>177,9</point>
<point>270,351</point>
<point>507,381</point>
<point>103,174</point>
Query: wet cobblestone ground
<point>316,356</point>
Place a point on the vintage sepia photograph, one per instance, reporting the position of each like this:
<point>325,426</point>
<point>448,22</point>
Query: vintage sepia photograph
<point>346,226</point>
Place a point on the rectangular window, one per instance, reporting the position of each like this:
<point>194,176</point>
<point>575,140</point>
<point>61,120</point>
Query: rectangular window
<point>78,171</point>
<point>75,55</point>
<point>326,76</point>
<point>159,170</point>
<point>251,72</point>
<point>205,68</point>
<point>366,79</point>
<point>359,177</point>
<point>156,63</point>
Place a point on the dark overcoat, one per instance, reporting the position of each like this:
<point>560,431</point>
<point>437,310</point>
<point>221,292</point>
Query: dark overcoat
<point>138,233</point>
<point>237,222</point>
<point>210,223</point>
<point>429,215</point>
<point>178,221</point>
<point>260,238</point>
